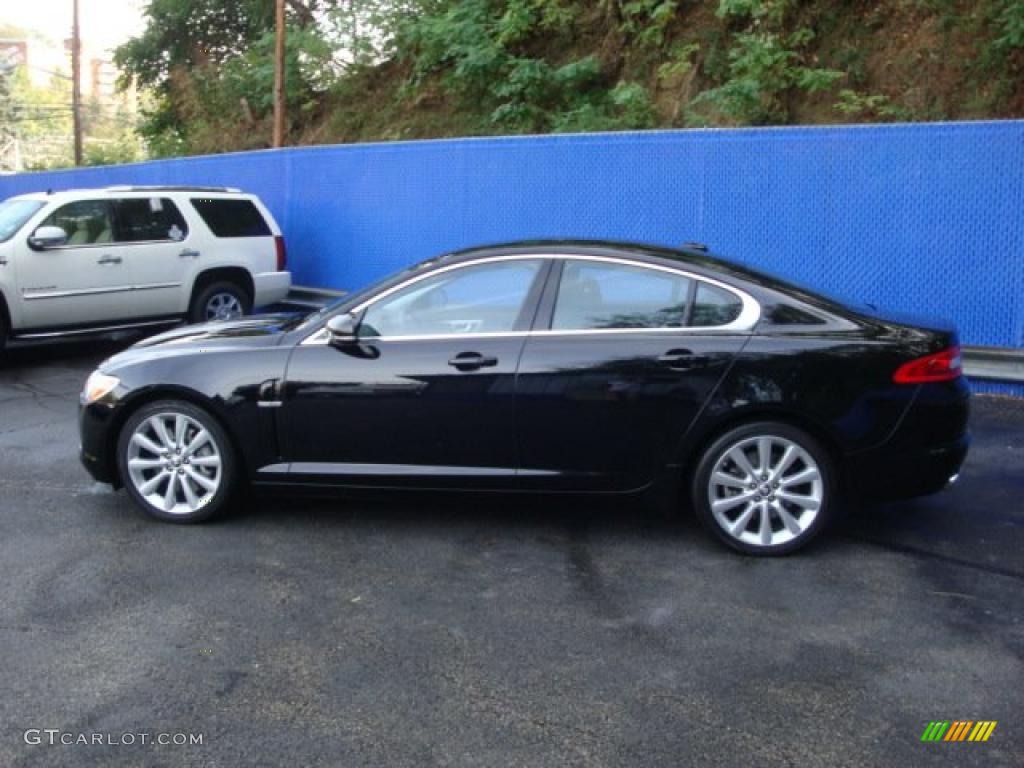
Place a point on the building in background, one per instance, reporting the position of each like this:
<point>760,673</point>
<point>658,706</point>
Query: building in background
<point>35,132</point>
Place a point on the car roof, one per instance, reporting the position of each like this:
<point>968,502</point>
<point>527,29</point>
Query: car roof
<point>689,255</point>
<point>693,257</point>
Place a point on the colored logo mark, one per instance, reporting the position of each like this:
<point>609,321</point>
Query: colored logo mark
<point>958,730</point>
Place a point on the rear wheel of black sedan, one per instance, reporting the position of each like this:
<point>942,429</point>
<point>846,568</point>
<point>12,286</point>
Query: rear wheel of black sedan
<point>764,488</point>
<point>176,462</point>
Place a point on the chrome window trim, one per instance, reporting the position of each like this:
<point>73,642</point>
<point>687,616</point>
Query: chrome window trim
<point>114,244</point>
<point>750,313</point>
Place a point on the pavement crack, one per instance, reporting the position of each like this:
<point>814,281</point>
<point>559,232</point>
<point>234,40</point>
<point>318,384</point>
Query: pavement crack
<point>924,554</point>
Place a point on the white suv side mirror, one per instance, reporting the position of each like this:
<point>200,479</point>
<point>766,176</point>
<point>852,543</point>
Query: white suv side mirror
<point>48,237</point>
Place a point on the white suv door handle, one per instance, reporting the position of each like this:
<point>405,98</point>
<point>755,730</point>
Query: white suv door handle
<point>189,253</point>
<point>110,260</point>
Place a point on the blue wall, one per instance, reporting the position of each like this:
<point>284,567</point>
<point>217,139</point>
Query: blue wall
<point>926,218</point>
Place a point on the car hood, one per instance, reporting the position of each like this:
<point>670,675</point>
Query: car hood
<point>253,331</point>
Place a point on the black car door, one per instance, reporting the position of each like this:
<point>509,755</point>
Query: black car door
<point>426,396</point>
<point>621,360</point>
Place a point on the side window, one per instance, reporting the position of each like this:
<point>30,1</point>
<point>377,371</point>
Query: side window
<point>86,222</point>
<point>231,218</point>
<point>486,298</point>
<point>714,306</point>
<point>144,219</point>
<point>597,295</point>
<point>786,314</point>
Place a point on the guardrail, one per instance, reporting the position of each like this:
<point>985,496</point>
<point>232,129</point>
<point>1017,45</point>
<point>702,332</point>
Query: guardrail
<point>311,298</point>
<point>994,363</point>
<point>991,363</point>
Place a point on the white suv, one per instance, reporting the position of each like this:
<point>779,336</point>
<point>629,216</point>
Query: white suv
<point>89,260</point>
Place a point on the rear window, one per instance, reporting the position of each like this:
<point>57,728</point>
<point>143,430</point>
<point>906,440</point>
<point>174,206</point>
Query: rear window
<point>231,218</point>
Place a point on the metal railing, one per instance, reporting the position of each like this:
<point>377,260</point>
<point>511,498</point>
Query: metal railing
<point>995,363</point>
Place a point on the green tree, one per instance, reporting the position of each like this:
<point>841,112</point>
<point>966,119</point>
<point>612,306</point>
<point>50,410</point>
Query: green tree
<point>208,64</point>
<point>483,52</point>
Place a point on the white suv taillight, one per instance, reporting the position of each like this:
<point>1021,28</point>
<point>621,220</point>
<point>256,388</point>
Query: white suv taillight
<point>282,253</point>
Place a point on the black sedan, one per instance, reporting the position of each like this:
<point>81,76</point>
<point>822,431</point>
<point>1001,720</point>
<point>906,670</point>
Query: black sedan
<point>556,366</point>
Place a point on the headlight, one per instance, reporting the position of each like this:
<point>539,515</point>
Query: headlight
<point>98,385</point>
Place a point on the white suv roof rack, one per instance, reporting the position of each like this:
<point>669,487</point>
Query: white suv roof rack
<point>168,188</point>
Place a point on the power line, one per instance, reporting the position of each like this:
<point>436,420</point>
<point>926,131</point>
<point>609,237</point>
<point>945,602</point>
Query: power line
<point>27,118</point>
<point>37,106</point>
<point>49,71</point>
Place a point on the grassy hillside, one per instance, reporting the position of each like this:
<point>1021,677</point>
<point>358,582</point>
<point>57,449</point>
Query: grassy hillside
<point>477,67</point>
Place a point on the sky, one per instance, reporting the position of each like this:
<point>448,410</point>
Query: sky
<point>104,23</point>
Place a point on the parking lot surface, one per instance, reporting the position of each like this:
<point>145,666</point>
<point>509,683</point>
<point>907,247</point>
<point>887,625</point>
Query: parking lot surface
<point>415,630</point>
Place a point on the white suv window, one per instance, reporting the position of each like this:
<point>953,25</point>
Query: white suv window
<point>86,222</point>
<point>148,219</point>
<point>228,217</point>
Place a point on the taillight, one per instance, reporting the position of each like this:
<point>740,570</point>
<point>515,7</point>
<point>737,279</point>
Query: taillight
<point>941,366</point>
<point>282,253</point>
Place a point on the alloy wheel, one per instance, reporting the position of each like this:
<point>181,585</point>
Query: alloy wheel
<point>765,490</point>
<point>223,306</point>
<point>174,463</point>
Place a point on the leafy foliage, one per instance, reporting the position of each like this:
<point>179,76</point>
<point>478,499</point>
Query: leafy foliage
<point>209,64</point>
<point>480,48</point>
<point>872,106</point>
<point>1010,23</point>
<point>387,69</point>
<point>765,66</point>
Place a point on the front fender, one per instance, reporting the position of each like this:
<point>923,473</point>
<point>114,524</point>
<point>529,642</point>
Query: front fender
<point>226,384</point>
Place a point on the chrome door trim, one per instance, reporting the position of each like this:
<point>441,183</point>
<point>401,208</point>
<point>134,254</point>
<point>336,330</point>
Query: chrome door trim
<point>95,291</point>
<point>341,468</point>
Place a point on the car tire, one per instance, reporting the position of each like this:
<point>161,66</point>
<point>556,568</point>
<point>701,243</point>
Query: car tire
<point>184,472</point>
<point>221,300</point>
<point>765,488</point>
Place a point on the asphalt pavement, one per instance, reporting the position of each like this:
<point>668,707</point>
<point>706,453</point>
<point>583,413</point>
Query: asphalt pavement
<point>421,630</point>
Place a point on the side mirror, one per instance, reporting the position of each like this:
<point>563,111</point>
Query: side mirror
<point>48,237</point>
<point>343,328</point>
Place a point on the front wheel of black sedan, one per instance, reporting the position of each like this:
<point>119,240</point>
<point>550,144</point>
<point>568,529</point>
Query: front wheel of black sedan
<point>176,462</point>
<point>764,488</point>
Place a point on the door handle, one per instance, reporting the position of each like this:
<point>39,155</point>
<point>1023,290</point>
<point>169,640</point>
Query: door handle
<point>682,359</point>
<point>110,260</point>
<point>188,253</point>
<point>471,361</point>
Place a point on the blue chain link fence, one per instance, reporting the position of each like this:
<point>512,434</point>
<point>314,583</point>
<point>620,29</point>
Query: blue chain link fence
<point>926,218</point>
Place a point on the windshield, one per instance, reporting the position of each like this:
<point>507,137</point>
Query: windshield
<point>13,214</point>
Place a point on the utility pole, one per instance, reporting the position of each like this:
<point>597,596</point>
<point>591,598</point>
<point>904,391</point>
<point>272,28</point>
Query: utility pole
<point>279,50</point>
<point>76,83</point>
